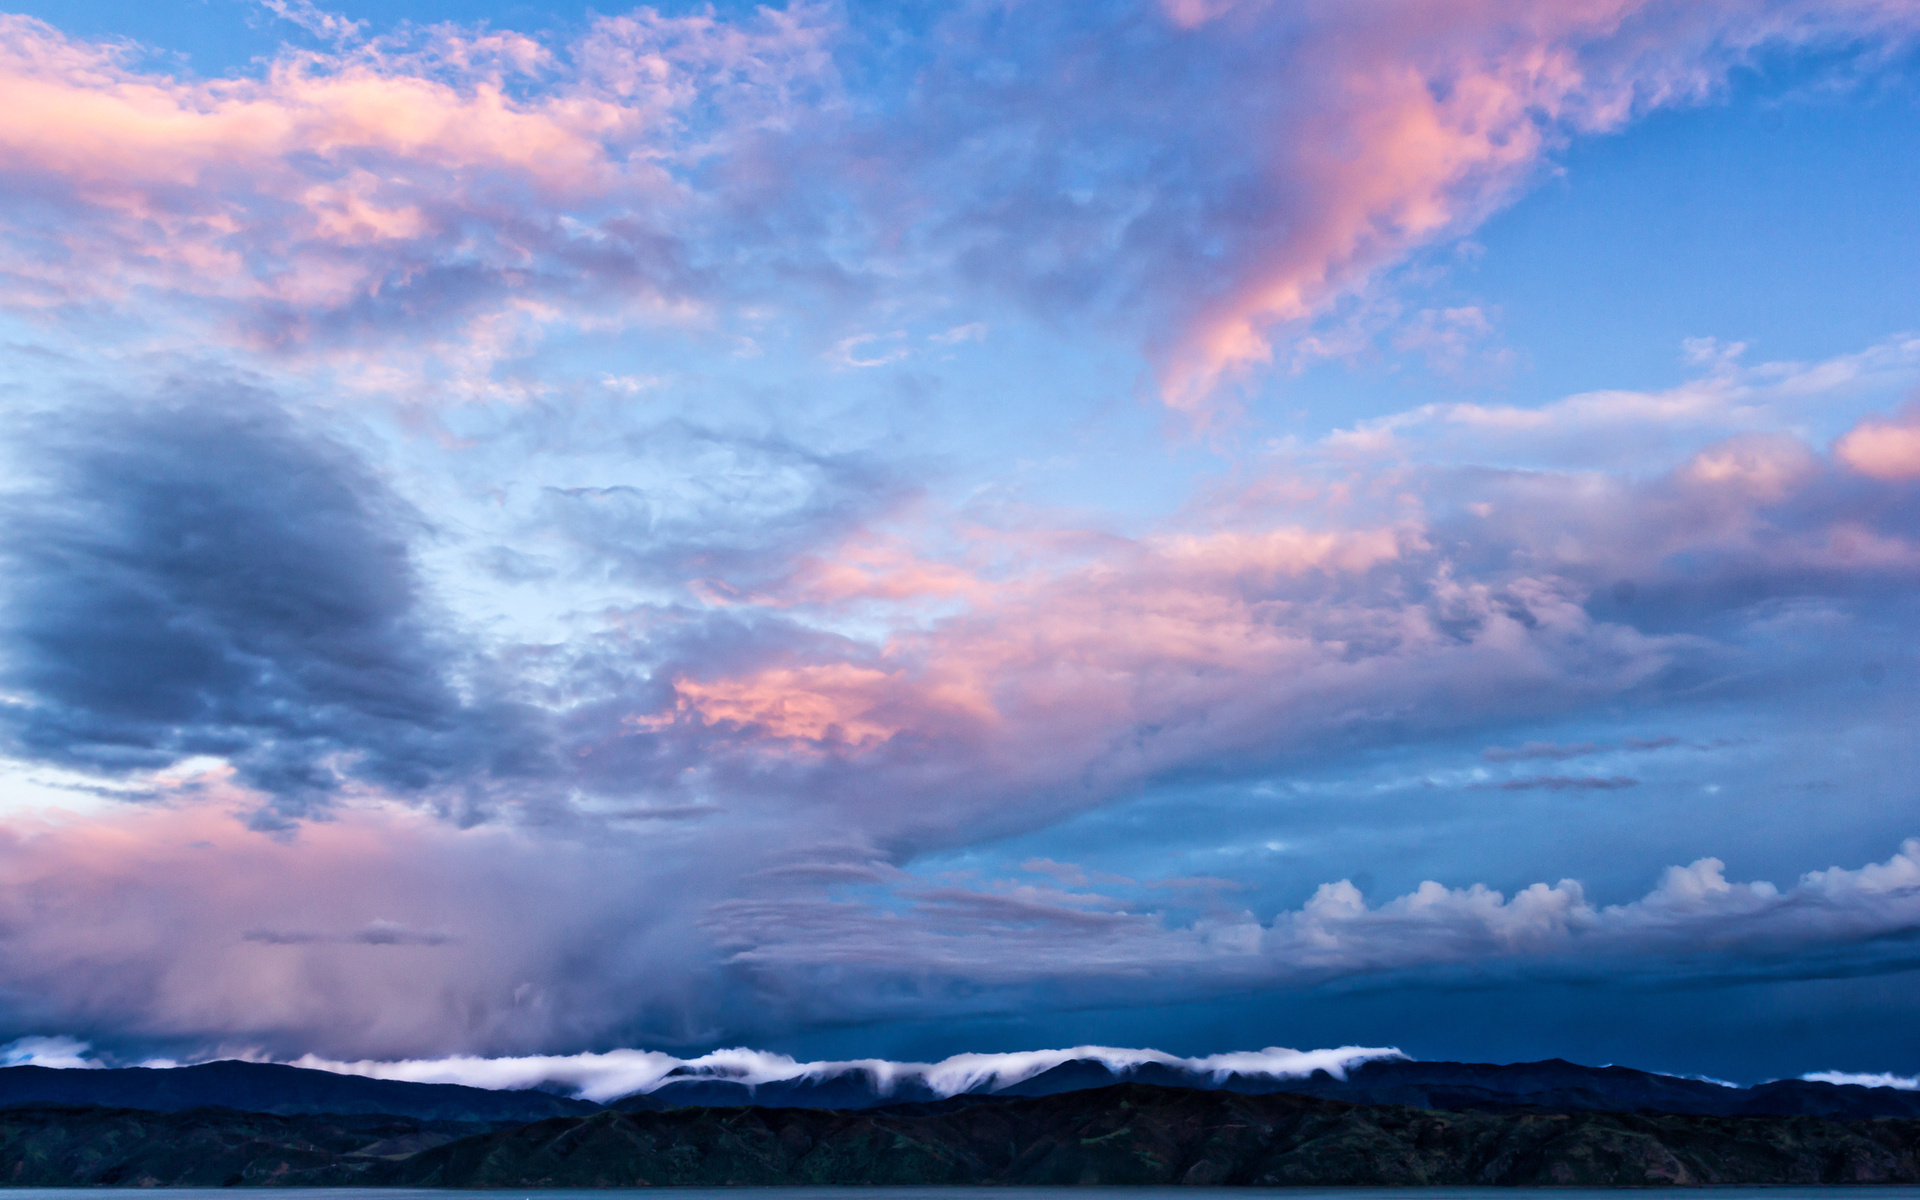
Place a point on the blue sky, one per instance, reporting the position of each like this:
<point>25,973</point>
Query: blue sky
<point>862,529</point>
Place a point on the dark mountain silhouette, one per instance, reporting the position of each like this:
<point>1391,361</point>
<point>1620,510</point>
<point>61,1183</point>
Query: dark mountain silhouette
<point>1556,1085</point>
<point>273,1088</point>
<point>1553,1084</point>
<point>1566,1086</point>
<point>1125,1134</point>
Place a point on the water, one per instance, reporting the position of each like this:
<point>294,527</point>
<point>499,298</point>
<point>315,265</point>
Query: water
<point>974,1193</point>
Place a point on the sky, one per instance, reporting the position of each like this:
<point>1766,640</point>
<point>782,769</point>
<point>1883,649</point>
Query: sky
<point>864,530</point>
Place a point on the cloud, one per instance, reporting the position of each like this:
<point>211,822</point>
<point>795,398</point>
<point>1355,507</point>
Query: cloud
<point>1453,340</point>
<point>1546,750</point>
<point>609,1076</point>
<point>585,946</point>
<point>206,576</point>
<point>378,932</point>
<point>1247,639</point>
<point>317,21</point>
<point>1619,430</point>
<point>572,709</point>
<point>1653,743</point>
<point>1883,449</point>
<point>62,1053</point>
<point>381,932</point>
<point>799,642</point>
<point>439,185</point>
<point>432,202</point>
<point>1248,166</point>
<point>1905,1083</point>
<point>1556,752</point>
<point>1695,923</point>
<point>714,516</point>
<point>973,331</point>
<point>870,349</point>
<point>1569,783</point>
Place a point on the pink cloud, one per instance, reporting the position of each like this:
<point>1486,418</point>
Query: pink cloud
<point>1883,449</point>
<point>834,704</point>
<point>345,177</point>
<point>882,568</point>
<point>1236,635</point>
<point>1067,682</point>
<point>1425,119</point>
<point>369,934</point>
<point>465,180</point>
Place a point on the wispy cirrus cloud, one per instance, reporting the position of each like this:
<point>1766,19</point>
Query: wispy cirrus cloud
<point>1263,161</point>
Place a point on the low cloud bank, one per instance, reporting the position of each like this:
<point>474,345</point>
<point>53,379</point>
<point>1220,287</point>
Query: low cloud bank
<point>603,1077</point>
<point>1906,1083</point>
<point>64,1052</point>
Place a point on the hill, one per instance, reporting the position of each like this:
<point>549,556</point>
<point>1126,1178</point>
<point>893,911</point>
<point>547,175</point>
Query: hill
<point>273,1088</point>
<point>1125,1134</point>
<point>1552,1084</point>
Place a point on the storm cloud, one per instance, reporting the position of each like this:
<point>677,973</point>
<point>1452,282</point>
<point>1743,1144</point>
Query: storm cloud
<point>204,576</point>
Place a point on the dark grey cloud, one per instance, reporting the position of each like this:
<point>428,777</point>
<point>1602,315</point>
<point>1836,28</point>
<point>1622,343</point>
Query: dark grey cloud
<point>1559,751</point>
<point>392,933</point>
<point>1653,743</point>
<point>209,576</point>
<point>1547,750</point>
<point>1569,783</point>
<point>375,933</point>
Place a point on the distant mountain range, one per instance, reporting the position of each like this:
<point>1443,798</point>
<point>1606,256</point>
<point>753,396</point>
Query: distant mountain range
<point>1128,1133</point>
<point>1552,1085</point>
<point>273,1088</point>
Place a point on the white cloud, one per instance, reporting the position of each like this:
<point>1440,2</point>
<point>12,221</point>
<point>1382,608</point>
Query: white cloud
<point>847,350</point>
<point>1695,915</point>
<point>975,331</point>
<point>1633,429</point>
<point>603,1077</point>
<point>62,1052</point>
<point>317,21</point>
<point>1906,1083</point>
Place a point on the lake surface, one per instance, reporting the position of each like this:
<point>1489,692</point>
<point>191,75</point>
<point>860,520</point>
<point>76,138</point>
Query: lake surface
<point>966,1193</point>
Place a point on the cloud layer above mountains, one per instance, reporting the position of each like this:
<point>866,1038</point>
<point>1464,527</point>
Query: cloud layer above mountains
<point>781,525</point>
<point>604,1077</point>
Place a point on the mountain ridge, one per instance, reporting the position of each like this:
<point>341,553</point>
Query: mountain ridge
<point>273,1088</point>
<point>1550,1084</point>
<point>1126,1134</point>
